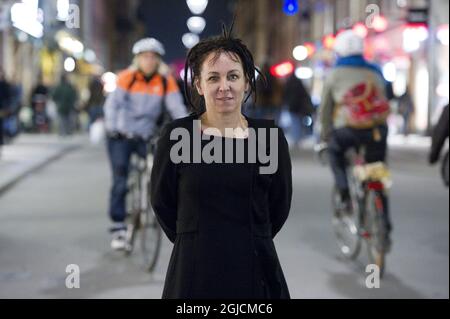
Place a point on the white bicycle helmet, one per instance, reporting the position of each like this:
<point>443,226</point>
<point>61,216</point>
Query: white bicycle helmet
<point>348,43</point>
<point>149,45</point>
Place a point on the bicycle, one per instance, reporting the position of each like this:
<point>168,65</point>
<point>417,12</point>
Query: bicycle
<point>141,219</point>
<point>368,184</point>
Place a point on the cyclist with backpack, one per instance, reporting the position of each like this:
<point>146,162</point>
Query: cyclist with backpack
<point>134,113</point>
<point>353,113</point>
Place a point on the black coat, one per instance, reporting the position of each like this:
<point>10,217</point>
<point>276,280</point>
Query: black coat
<point>440,135</point>
<point>297,98</point>
<point>222,219</point>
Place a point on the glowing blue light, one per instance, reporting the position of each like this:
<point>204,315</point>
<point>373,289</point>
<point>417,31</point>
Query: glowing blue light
<point>290,7</point>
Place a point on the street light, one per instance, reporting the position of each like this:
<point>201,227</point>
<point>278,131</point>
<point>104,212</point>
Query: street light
<point>282,70</point>
<point>197,7</point>
<point>361,30</point>
<point>380,23</point>
<point>442,34</point>
<point>290,7</point>
<point>300,53</point>
<point>190,40</point>
<point>69,65</point>
<point>63,7</point>
<point>196,24</point>
<point>304,73</point>
<point>27,17</point>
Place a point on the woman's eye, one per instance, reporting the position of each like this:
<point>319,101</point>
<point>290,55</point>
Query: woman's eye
<point>213,78</point>
<point>234,77</point>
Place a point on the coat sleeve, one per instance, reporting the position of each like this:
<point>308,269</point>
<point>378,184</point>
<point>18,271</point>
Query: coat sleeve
<point>111,108</point>
<point>164,187</point>
<point>280,196</point>
<point>326,111</point>
<point>174,100</point>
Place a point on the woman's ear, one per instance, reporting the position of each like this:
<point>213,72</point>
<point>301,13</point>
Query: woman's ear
<point>197,86</point>
<point>247,86</point>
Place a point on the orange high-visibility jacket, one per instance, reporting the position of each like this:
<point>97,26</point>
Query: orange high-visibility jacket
<point>135,106</point>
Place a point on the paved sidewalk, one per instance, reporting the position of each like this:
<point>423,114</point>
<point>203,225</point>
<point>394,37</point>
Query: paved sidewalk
<point>28,153</point>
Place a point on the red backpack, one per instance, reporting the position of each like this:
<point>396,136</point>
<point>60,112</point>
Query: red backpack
<point>366,106</point>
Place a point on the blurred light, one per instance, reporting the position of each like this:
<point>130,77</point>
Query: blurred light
<point>110,82</point>
<point>311,48</point>
<point>361,30</point>
<point>190,40</point>
<point>442,34</point>
<point>420,31</point>
<point>328,41</point>
<point>282,70</point>
<point>300,53</point>
<point>380,23</point>
<point>442,90</point>
<point>304,73</point>
<point>71,45</point>
<point>413,35</point>
<point>421,96</point>
<point>308,121</point>
<point>390,72</point>
<point>197,6</point>
<point>90,56</point>
<point>196,24</point>
<point>182,73</point>
<point>69,65</point>
<point>402,3</point>
<point>290,7</point>
<point>22,36</point>
<point>63,7</point>
<point>26,16</point>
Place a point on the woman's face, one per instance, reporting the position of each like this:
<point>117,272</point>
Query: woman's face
<point>222,83</point>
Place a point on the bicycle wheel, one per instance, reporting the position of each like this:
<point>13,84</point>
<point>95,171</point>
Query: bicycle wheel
<point>346,229</point>
<point>376,230</point>
<point>133,202</point>
<point>151,237</point>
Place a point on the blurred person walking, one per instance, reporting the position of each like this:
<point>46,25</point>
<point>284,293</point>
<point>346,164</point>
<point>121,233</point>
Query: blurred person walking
<point>94,106</point>
<point>39,99</point>
<point>5,103</point>
<point>65,97</point>
<point>299,104</point>
<point>270,97</point>
<point>406,110</point>
<point>133,115</point>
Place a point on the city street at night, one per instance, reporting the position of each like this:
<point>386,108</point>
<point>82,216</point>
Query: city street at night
<point>224,150</point>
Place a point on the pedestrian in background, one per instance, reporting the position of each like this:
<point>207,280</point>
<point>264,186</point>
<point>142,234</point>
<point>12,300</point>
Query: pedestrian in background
<point>270,96</point>
<point>65,97</point>
<point>94,106</point>
<point>39,99</point>
<point>299,104</point>
<point>5,100</point>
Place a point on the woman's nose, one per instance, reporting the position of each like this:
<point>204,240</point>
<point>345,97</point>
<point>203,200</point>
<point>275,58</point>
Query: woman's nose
<point>224,85</point>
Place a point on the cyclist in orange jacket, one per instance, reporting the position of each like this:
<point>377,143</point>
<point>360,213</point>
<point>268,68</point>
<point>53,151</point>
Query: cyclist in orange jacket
<point>133,114</point>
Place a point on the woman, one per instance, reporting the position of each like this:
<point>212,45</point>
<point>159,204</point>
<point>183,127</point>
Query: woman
<point>222,218</point>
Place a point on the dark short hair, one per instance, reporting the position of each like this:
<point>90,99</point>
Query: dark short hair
<point>224,43</point>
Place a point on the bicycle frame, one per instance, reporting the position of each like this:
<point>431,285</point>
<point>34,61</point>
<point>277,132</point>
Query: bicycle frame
<point>141,218</point>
